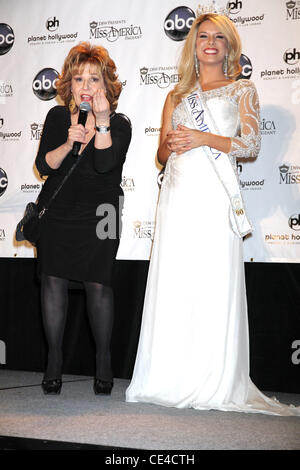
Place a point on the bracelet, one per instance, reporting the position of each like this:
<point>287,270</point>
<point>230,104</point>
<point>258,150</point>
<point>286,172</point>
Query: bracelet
<point>102,129</point>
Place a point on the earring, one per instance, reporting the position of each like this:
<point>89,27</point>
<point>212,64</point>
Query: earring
<point>225,66</point>
<point>196,64</point>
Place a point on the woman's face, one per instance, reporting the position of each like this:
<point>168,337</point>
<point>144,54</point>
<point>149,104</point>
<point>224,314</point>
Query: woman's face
<point>211,44</point>
<point>85,83</point>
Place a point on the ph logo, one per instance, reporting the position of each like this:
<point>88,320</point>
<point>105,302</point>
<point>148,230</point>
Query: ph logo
<point>178,23</point>
<point>52,24</point>
<point>291,56</point>
<point>294,222</point>
<point>234,7</point>
<point>2,352</point>
<point>44,84</point>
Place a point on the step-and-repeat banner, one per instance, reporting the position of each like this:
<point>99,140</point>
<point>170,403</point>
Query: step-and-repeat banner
<point>145,39</point>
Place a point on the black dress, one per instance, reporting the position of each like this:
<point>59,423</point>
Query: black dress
<point>69,246</point>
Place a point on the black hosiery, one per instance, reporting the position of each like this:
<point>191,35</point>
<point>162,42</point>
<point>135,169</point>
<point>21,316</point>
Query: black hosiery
<point>100,307</point>
<point>54,313</point>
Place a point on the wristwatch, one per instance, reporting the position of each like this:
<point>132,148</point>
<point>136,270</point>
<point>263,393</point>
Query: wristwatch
<point>102,129</point>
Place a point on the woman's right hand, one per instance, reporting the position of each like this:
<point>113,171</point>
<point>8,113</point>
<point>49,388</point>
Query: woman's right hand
<point>76,133</point>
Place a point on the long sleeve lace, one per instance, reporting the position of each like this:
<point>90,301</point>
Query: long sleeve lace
<point>247,144</point>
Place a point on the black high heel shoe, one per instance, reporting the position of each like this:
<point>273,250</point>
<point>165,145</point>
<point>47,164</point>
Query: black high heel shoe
<point>52,387</point>
<point>103,387</point>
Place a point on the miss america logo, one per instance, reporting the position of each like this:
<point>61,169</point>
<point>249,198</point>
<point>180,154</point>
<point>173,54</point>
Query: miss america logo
<point>158,76</point>
<point>289,174</point>
<point>108,30</point>
<point>292,10</point>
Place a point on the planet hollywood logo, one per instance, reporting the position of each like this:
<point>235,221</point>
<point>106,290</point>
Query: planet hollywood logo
<point>3,182</point>
<point>8,135</point>
<point>152,131</point>
<point>291,57</point>
<point>143,229</point>
<point>252,184</point>
<point>7,38</point>
<point>159,76</point>
<point>289,174</point>
<point>282,239</point>
<point>31,188</point>
<point>44,84</point>
<point>178,23</point>
<point>292,10</point>
<point>235,8</point>
<point>36,131</point>
<point>52,25</point>
<point>246,65</point>
<point>112,30</point>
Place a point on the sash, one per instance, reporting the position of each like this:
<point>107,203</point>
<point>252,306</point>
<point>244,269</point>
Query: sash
<point>203,121</point>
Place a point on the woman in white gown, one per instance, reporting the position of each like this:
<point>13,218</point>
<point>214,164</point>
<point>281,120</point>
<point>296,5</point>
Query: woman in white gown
<point>194,347</point>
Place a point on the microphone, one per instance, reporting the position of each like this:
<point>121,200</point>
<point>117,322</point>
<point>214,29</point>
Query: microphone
<point>84,108</point>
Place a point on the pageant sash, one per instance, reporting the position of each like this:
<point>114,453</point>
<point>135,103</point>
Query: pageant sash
<point>203,121</point>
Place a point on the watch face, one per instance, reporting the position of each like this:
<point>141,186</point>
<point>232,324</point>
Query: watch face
<point>102,129</point>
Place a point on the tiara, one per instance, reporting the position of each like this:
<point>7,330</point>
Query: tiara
<point>212,8</point>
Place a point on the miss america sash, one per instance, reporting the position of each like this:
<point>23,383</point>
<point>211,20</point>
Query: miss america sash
<point>203,121</point>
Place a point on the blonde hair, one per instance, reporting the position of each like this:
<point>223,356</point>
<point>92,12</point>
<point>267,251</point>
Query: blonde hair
<point>97,56</point>
<point>186,67</point>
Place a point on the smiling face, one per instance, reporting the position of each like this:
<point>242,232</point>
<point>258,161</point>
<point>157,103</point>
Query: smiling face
<point>211,44</point>
<point>85,82</point>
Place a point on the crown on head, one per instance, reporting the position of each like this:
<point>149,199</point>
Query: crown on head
<point>212,8</point>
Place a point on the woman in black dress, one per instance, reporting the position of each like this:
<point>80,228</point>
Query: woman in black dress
<point>73,244</point>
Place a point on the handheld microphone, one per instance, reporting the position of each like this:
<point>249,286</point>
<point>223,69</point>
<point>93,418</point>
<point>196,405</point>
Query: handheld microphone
<point>84,108</point>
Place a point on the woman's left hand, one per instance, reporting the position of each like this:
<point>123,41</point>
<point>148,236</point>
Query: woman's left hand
<point>183,139</point>
<point>101,107</point>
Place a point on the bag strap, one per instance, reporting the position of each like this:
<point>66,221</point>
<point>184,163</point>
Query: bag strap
<point>46,206</point>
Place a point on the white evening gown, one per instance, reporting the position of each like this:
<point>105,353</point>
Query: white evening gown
<point>194,347</point>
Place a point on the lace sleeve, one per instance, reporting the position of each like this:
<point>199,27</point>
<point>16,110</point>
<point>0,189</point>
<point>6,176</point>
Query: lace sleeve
<point>247,144</point>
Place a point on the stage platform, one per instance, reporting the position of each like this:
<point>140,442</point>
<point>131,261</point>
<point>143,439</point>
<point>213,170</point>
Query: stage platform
<point>77,419</point>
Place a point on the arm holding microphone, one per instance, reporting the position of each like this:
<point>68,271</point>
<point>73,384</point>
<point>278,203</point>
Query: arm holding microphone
<point>76,137</point>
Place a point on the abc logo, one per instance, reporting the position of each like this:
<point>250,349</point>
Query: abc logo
<point>294,222</point>
<point>7,38</point>
<point>178,23</point>
<point>3,181</point>
<point>43,85</point>
<point>246,67</point>
<point>291,56</point>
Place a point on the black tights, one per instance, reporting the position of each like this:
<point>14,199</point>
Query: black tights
<point>54,313</point>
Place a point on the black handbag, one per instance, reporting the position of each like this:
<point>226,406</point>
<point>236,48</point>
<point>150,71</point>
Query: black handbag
<point>29,227</point>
